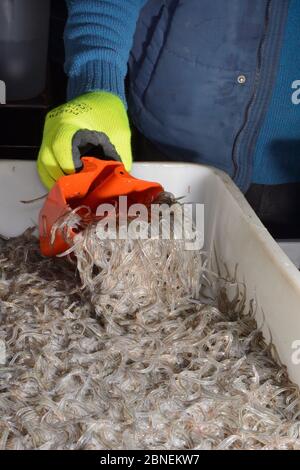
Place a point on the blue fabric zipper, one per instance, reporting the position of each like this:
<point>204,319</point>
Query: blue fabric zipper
<point>268,59</point>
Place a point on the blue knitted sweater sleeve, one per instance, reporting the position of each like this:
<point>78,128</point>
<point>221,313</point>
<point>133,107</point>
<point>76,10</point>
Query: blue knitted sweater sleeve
<point>98,38</point>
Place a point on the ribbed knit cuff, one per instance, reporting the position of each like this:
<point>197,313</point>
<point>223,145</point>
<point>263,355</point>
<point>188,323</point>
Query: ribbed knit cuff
<point>97,76</point>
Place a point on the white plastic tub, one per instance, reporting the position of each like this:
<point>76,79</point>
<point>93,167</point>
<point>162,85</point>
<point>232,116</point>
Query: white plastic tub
<point>231,228</point>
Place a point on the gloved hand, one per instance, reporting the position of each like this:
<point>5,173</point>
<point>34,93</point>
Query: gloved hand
<point>95,119</point>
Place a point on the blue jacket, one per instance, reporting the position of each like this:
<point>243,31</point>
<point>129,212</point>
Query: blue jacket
<point>211,81</point>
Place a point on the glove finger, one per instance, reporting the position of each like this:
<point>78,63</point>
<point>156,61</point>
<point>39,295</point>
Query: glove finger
<point>127,156</point>
<point>44,175</point>
<point>50,163</point>
<point>122,143</point>
<point>62,149</point>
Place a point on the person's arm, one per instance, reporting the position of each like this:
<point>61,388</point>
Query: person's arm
<point>98,39</point>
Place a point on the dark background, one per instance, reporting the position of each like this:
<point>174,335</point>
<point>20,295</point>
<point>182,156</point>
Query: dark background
<point>21,123</point>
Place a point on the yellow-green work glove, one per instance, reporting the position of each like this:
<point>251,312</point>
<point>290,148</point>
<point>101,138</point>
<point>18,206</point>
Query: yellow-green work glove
<point>96,120</point>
